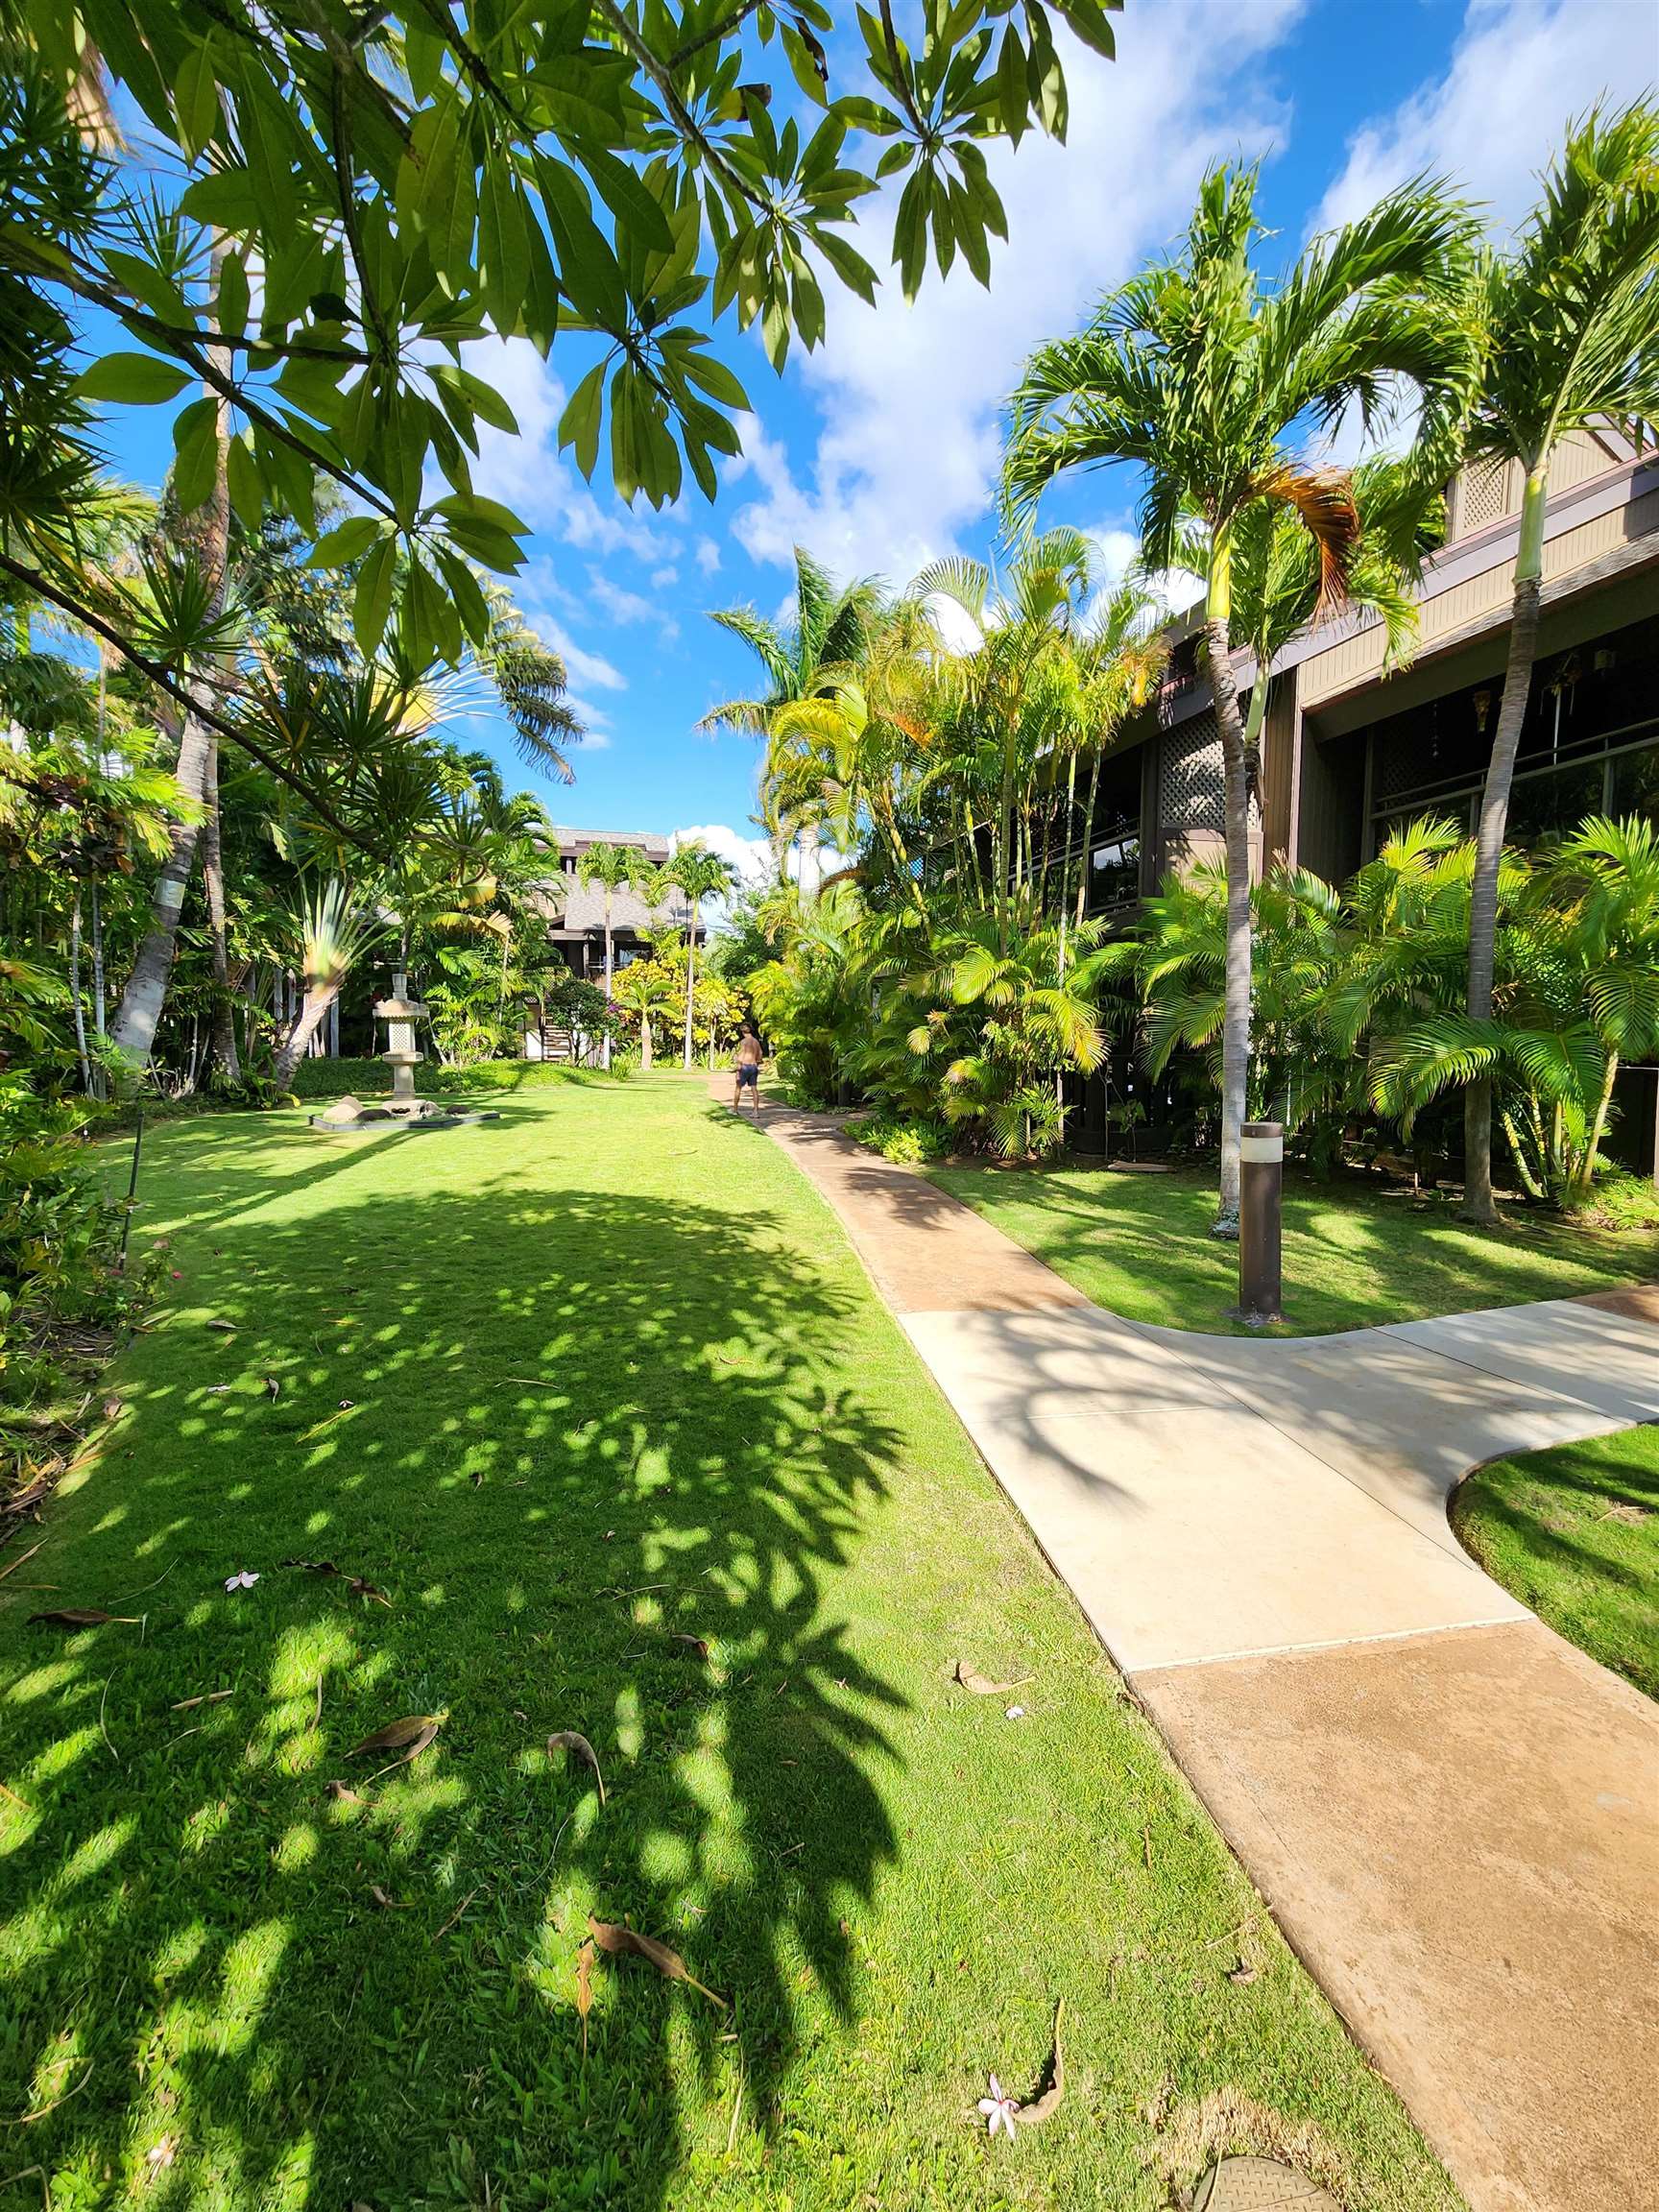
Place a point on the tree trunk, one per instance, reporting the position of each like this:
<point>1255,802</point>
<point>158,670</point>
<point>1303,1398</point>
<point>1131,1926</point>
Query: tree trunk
<point>75,992</point>
<point>100,1011</point>
<point>1477,1202</point>
<point>225,1069</point>
<point>1236,1020</point>
<point>690,982</point>
<point>314,1004</point>
<point>645,1040</point>
<point>1089,806</point>
<point>605,1042</point>
<point>1583,1181</point>
<point>140,1010</point>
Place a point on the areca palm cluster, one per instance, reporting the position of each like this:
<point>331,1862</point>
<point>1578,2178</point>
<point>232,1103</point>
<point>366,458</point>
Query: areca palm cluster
<point>940,971</point>
<point>1359,992</point>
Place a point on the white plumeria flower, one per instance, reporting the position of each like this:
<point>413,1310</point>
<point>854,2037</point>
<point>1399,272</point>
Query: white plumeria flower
<point>242,1581</point>
<point>1016,1712</point>
<point>998,2110</point>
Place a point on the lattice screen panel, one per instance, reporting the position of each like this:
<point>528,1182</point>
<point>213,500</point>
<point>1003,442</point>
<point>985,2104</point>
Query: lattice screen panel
<point>1191,784</point>
<point>1485,497</point>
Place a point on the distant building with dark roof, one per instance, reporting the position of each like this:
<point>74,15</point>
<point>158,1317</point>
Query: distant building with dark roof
<point>575,911</point>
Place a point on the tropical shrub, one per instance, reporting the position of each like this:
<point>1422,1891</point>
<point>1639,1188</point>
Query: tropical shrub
<point>908,1141</point>
<point>59,1234</point>
<point>1357,996</point>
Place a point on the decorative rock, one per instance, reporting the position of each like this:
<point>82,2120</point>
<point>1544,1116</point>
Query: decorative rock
<point>344,1113</point>
<point>1260,2185</point>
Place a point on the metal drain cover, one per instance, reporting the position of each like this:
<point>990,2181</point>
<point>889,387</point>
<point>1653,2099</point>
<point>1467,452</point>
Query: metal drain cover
<point>1260,2185</point>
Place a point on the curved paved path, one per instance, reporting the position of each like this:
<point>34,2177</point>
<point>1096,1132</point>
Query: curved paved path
<point>1454,1814</point>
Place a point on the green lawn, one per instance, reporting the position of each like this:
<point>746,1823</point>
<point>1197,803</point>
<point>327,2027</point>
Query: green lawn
<point>1354,1257</point>
<point>1573,1532</point>
<point>615,1377</point>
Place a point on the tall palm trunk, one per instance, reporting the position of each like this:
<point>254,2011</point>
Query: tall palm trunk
<point>1584,1176</point>
<point>645,1040</point>
<point>99,1008</point>
<point>1235,1018</point>
<point>139,1013</point>
<point>313,1006</point>
<point>1478,1201</point>
<point>75,992</point>
<point>1089,834</point>
<point>226,1069</point>
<point>605,1041</point>
<point>690,978</point>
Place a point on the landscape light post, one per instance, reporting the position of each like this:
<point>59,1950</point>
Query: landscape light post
<point>1261,1207</point>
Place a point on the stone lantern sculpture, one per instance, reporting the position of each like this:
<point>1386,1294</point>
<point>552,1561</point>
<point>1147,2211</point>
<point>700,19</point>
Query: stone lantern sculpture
<point>402,1055</point>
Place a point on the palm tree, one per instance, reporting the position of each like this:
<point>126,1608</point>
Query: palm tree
<point>828,629</point>
<point>644,990</point>
<point>700,875</point>
<point>1213,384</point>
<point>613,867</point>
<point>1571,317</point>
<point>332,930</point>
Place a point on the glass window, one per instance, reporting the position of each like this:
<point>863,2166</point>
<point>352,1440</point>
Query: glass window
<point>1636,785</point>
<point>1543,809</point>
<point>1114,873</point>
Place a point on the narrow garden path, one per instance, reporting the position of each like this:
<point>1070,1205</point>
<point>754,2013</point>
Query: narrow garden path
<point>1454,1814</point>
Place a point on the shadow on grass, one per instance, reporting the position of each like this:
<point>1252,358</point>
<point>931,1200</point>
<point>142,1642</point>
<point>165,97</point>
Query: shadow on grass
<point>1355,1255</point>
<point>579,1428</point>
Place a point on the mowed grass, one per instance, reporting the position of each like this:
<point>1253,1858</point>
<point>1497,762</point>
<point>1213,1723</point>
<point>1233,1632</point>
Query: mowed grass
<point>1353,1257</point>
<point>1573,1532</point>
<point>614,1379</point>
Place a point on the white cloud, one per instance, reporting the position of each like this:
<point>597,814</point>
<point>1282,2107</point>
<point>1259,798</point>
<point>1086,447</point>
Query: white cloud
<point>624,605</point>
<point>594,720</point>
<point>662,577</point>
<point>910,397</point>
<point>591,669</point>
<point>1172,590</point>
<point>529,474</point>
<point>707,555</point>
<point>751,856</point>
<point>1519,72</point>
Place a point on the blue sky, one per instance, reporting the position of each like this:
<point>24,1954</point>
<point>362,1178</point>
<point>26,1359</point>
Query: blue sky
<point>878,451</point>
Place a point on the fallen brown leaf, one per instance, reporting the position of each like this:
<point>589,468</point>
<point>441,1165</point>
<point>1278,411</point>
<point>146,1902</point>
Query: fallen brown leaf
<point>411,1736</point>
<point>619,1941</point>
<point>567,1740</point>
<point>112,1408</point>
<point>1242,1975</point>
<point>274,1386</point>
<point>225,1327</point>
<point>386,1904</point>
<point>83,1617</point>
<point>697,1643</point>
<point>981,1686</point>
<point>344,1794</point>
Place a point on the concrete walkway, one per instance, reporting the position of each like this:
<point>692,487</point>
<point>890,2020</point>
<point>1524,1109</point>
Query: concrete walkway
<point>1454,1814</point>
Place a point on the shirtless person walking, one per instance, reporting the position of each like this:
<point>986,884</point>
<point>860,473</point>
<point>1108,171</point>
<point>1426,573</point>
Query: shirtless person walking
<point>748,1072</point>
